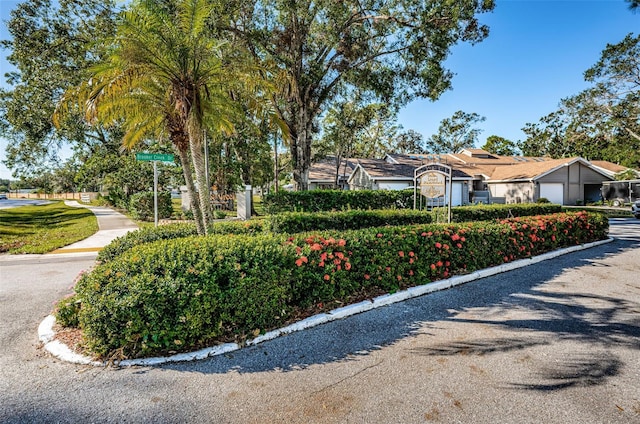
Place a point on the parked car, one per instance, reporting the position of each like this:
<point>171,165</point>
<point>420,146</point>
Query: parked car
<point>635,209</point>
<point>3,196</point>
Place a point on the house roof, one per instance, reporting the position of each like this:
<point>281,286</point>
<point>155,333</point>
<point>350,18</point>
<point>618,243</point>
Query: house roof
<point>609,167</point>
<point>494,159</point>
<point>469,164</point>
<point>535,170</point>
<point>403,169</point>
<point>325,170</point>
<point>381,169</point>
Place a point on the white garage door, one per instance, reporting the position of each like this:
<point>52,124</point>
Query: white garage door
<point>553,192</point>
<point>456,194</point>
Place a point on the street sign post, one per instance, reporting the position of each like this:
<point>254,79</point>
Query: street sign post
<point>155,157</point>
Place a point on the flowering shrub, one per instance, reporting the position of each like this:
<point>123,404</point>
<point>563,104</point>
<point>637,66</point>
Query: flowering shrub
<point>180,294</point>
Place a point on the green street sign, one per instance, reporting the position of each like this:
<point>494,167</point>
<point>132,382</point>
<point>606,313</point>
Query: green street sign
<point>162,157</point>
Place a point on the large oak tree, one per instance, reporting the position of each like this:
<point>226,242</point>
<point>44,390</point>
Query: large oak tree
<point>392,49</point>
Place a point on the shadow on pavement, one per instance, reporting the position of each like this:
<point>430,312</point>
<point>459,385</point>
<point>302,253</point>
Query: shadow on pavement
<point>558,317</point>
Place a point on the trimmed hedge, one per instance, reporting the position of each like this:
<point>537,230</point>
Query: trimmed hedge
<point>181,294</point>
<point>297,222</point>
<point>294,222</point>
<point>144,235</point>
<point>141,205</point>
<point>172,231</point>
<point>336,200</point>
<point>494,211</point>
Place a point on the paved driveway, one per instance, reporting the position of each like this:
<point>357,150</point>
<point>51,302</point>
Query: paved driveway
<point>556,342</point>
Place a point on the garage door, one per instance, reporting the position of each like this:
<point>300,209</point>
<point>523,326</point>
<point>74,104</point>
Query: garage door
<point>553,192</point>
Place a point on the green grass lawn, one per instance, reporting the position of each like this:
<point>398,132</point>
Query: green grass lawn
<point>41,229</point>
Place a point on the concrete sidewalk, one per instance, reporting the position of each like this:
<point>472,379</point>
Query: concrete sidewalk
<point>111,225</point>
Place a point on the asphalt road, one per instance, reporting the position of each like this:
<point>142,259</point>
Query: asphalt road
<point>555,342</point>
<point>15,203</point>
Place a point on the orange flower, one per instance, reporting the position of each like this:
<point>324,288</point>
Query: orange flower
<point>316,246</point>
<point>327,277</point>
<point>401,254</point>
<point>347,266</point>
<point>367,276</point>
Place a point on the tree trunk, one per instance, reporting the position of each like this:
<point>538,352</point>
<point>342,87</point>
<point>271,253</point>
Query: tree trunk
<point>183,154</point>
<point>204,194</point>
<point>301,148</point>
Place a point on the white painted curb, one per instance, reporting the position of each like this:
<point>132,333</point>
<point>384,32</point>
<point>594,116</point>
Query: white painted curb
<point>46,333</point>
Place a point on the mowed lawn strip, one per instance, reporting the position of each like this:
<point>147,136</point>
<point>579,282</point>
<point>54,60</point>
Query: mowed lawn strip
<point>42,229</point>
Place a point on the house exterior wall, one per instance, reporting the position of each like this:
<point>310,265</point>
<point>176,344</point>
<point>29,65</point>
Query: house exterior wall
<point>360,181</point>
<point>393,185</point>
<point>516,192</point>
<point>576,179</point>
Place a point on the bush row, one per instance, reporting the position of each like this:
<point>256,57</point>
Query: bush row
<point>180,294</point>
<point>294,222</point>
<point>141,205</point>
<point>172,231</point>
<point>492,212</point>
<point>336,200</point>
<point>297,222</point>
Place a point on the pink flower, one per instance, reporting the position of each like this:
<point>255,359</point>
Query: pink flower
<point>316,246</point>
<point>347,266</point>
<point>342,242</point>
<point>401,254</point>
<point>438,245</point>
<point>327,277</point>
<point>367,276</point>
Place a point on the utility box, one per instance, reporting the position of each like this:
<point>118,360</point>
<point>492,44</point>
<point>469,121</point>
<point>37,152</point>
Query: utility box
<point>185,203</point>
<point>243,202</point>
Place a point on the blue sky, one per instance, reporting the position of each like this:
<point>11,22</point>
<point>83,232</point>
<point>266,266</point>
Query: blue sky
<point>535,55</point>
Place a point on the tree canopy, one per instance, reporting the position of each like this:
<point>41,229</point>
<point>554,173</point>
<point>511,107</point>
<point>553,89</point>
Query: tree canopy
<point>455,133</point>
<point>394,50</point>
<point>601,122</point>
<point>500,146</point>
<point>52,46</point>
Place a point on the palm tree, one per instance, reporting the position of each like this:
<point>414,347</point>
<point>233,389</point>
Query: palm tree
<point>165,75</point>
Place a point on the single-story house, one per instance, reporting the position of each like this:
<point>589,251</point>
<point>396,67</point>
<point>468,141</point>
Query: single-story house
<point>382,174</point>
<point>480,176</point>
<point>565,181</point>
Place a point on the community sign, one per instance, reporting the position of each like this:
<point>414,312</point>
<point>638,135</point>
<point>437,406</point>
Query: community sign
<point>432,184</point>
